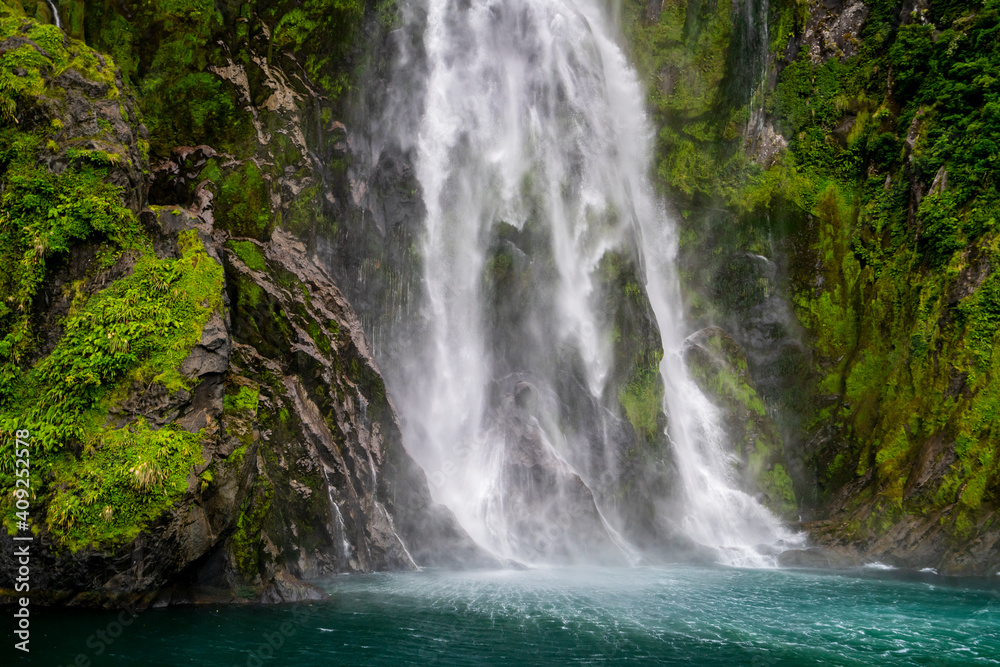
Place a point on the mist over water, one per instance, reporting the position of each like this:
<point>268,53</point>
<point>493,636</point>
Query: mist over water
<point>532,153</point>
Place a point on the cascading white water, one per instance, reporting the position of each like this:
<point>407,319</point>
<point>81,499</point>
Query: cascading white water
<point>55,13</point>
<point>532,120</point>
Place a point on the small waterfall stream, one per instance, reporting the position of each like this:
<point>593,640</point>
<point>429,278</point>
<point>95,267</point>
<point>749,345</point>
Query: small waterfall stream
<point>55,13</point>
<point>532,154</point>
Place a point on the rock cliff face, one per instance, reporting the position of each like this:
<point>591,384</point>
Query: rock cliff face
<point>206,417</point>
<point>854,270</point>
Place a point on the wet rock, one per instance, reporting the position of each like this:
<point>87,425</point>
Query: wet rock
<point>86,117</point>
<point>284,588</point>
<point>763,143</point>
<point>975,272</point>
<point>914,541</point>
<point>341,430</point>
<point>175,180</point>
<point>211,355</point>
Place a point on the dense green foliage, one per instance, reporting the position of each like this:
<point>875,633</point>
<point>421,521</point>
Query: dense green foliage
<point>23,68</point>
<point>889,191</point>
<point>45,214</point>
<point>682,59</point>
<point>112,482</point>
<point>242,204</point>
<point>163,50</point>
<point>245,400</point>
<point>139,329</point>
<point>908,226</point>
<point>92,483</point>
<point>96,484</point>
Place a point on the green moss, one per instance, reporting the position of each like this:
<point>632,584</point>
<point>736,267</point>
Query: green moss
<point>836,466</point>
<point>33,67</point>
<point>882,306</point>
<point>94,157</point>
<point>249,254</point>
<point>243,203</point>
<point>250,294</point>
<point>245,543</point>
<point>305,213</point>
<point>238,454</point>
<point>642,399</point>
<point>43,216</point>
<point>729,385</point>
<point>777,486</point>
<point>139,329</point>
<point>205,480</point>
<point>975,476</point>
<point>323,31</point>
<point>316,332</point>
<point>682,59</point>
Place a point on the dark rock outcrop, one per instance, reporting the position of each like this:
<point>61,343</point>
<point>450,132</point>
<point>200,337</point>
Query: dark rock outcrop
<point>831,31</point>
<point>307,479</point>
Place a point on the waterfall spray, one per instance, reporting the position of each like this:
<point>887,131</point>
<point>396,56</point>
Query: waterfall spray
<point>55,13</point>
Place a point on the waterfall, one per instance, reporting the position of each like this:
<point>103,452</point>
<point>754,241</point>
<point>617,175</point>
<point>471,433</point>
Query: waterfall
<point>532,154</point>
<point>55,13</point>
<point>752,49</point>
